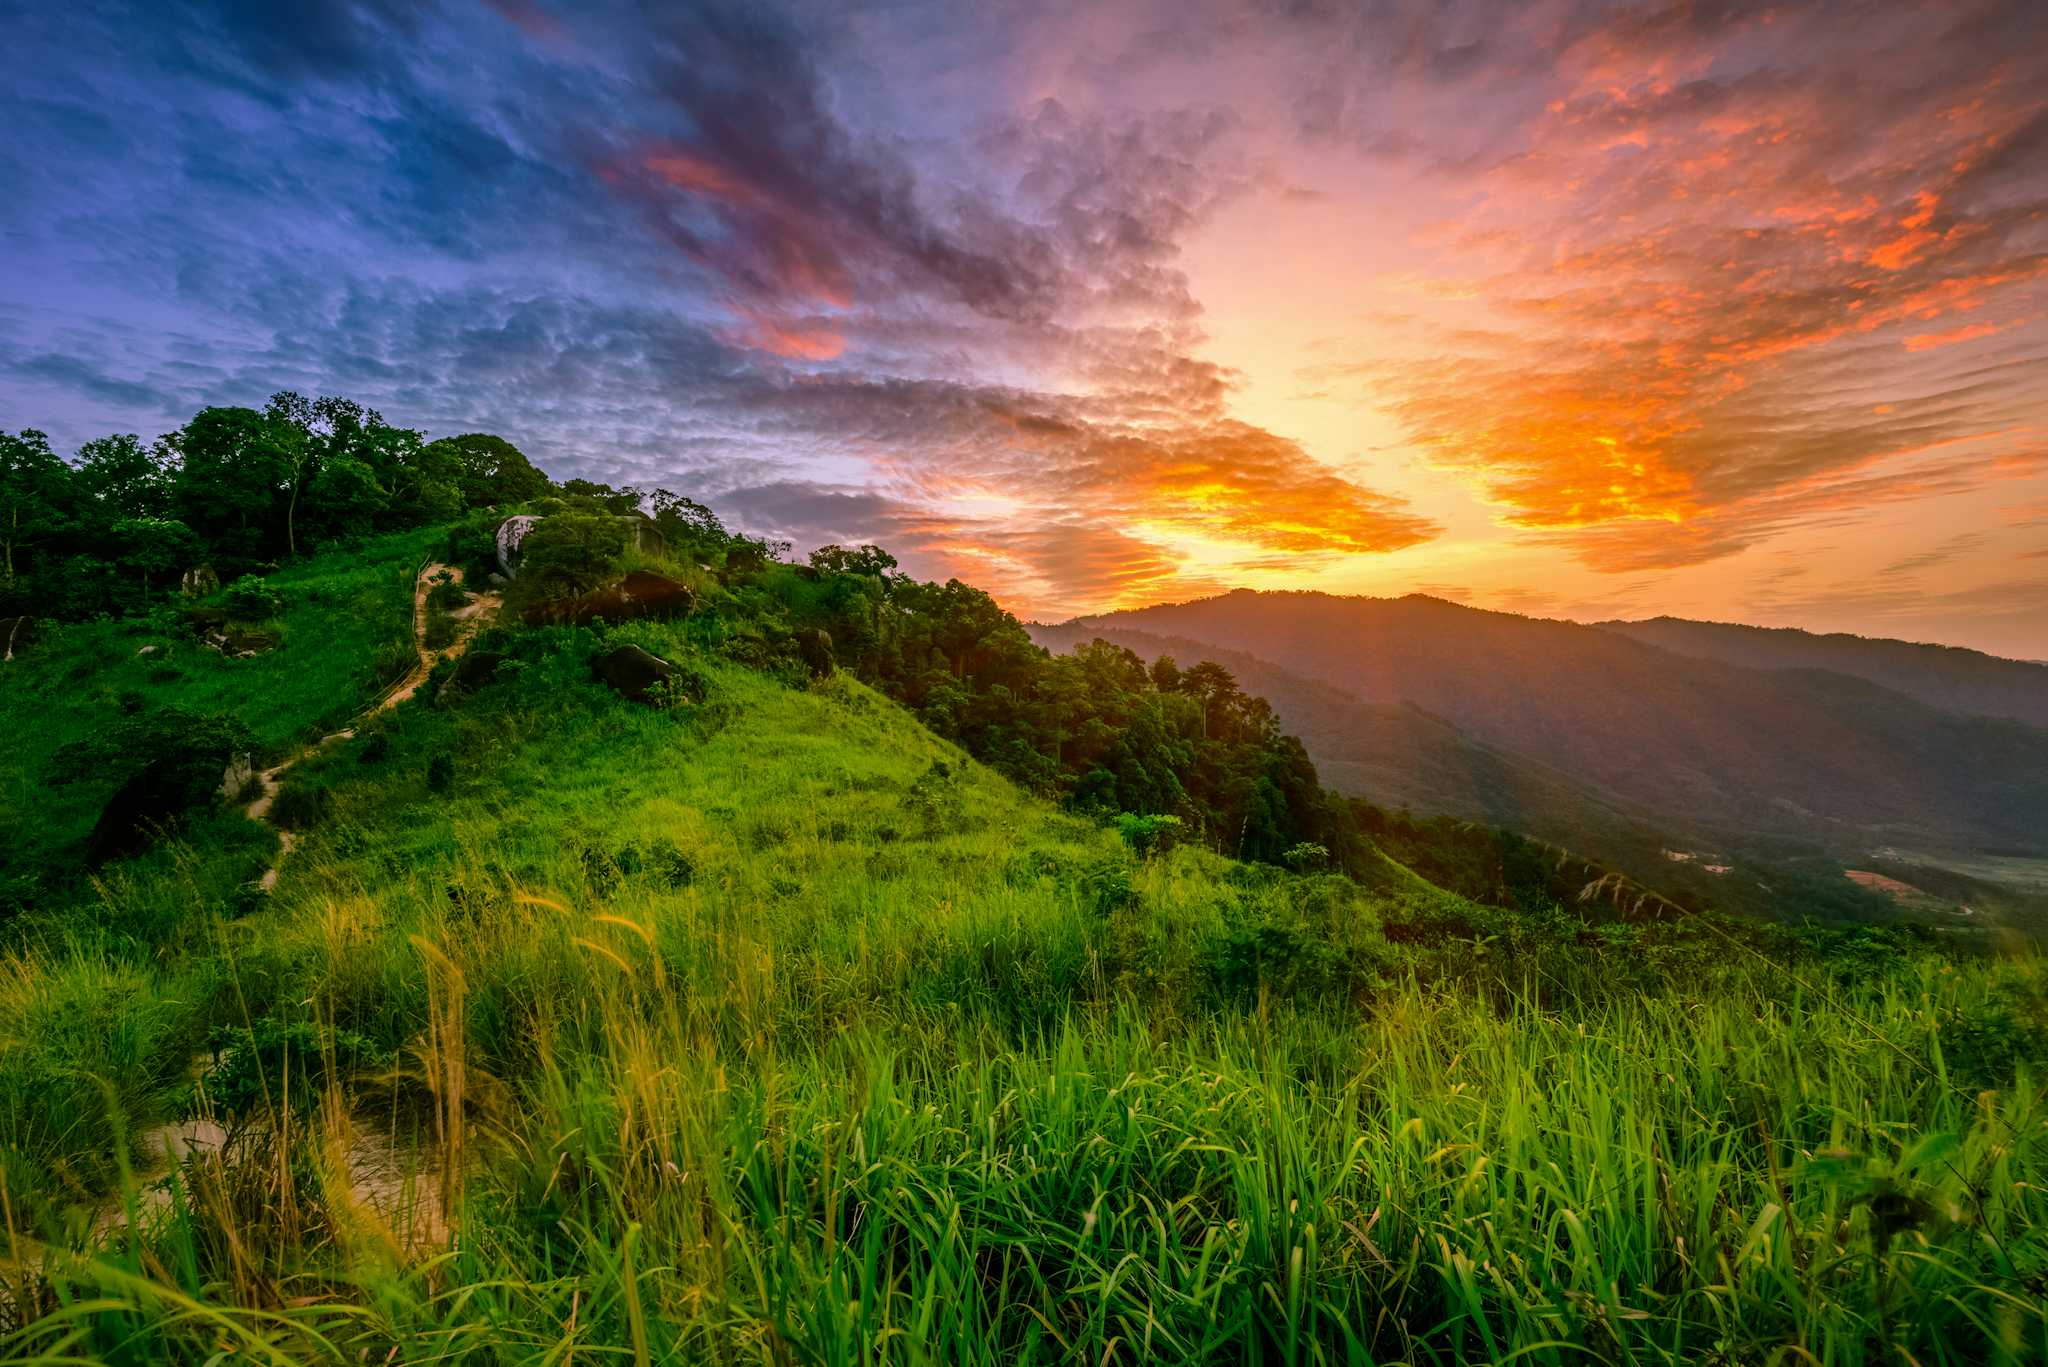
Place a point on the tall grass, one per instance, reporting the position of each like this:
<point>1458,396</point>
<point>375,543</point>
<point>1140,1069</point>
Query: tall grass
<point>773,1031</point>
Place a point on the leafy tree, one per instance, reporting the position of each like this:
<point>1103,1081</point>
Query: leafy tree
<point>153,546</point>
<point>35,491</point>
<point>345,498</point>
<point>236,467</point>
<point>489,471</point>
<point>124,478</point>
<point>869,560</point>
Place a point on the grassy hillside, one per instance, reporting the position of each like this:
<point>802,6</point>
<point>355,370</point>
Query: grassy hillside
<point>1804,753</point>
<point>1947,677</point>
<point>769,1027</point>
<point>342,632</point>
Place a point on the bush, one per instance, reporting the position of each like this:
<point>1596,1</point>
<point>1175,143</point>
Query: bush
<point>569,553</point>
<point>300,806</point>
<point>440,773</point>
<point>250,599</point>
<point>252,1062</point>
<point>1148,835</point>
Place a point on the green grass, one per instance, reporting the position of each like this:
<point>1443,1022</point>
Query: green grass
<point>774,1030</point>
<point>345,626</point>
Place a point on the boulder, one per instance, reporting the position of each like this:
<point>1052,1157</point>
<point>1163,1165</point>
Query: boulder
<point>639,594</point>
<point>511,532</point>
<point>239,773</point>
<point>155,799</point>
<point>149,652</point>
<point>633,673</point>
<point>239,643</point>
<point>199,581</point>
<point>16,634</point>
<point>647,537</point>
<point>815,648</point>
<point>472,671</point>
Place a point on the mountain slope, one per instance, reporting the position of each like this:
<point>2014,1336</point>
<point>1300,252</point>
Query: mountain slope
<point>1822,756</point>
<point>1947,677</point>
<point>770,1026</point>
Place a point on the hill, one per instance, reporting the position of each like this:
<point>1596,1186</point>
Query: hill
<point>1687,743</point>
<point>1948,677</point>
<point>753,1017</point>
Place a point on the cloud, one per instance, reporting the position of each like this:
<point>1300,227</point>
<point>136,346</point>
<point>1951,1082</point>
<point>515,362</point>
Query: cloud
<point>1693,278</point>
<point>1659,284</point>
<point>1952,548</point>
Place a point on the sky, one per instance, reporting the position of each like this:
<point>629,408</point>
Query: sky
<point>1733,311</point>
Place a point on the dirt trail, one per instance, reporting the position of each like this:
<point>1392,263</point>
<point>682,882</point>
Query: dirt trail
<point>467,618</point>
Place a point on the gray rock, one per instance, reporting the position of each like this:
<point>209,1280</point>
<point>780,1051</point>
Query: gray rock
<point>241,769</point>
<point>815,646</point>
<point>511,532</point>
<point>149,652</point>
<point>199,581</point>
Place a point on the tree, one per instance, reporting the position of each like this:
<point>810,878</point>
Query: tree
<point>152,546</point>
<point>124,477</point>
<point>35,487</point>
<point>345,499</point>
<point>870,560</point>
<point>235,465</point>
<point>490,471</point>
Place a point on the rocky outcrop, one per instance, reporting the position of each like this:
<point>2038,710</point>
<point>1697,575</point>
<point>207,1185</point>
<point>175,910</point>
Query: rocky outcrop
<point>511,532</point>
<point>472,671</point>
<point>814,647</point>
<point>199,581</point>
<point>634,673</point>
<point>155,799</point>
<point>239,774</point>
<point>237,642</point>
<point>16,634</point>
<point>640,594</point>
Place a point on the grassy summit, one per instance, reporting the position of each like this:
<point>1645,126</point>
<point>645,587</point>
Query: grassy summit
<point>768,1025</point>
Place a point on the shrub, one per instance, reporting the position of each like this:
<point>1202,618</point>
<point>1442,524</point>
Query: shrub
<point>300,806</point>
<point>440,773</point>
<point>1148,835</point>
<point>250,599</point>
<point>569,553</point>
<point>252,1062</point>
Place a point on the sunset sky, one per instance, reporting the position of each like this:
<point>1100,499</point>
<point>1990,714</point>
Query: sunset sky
<point>1720,310</point>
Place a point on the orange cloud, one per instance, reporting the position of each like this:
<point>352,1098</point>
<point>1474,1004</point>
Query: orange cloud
<point>1700,267</point>
<point>1969,332</point>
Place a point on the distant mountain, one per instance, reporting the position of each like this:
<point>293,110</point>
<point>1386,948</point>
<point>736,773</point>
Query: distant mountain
<point>1948,677</point>
<point>1398,754</point>
<point>1548,713</point>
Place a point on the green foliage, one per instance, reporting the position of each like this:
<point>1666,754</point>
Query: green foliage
<point>1148,835</point>
<point>780,1027</point>
<point>271,1064</point>
<point>251,599</point>
<point>569,553</point>
<point>487,471</point>
<point>237,488</point>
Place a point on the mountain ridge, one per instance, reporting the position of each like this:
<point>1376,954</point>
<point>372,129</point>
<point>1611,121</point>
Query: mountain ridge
<point>1844,760</point>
